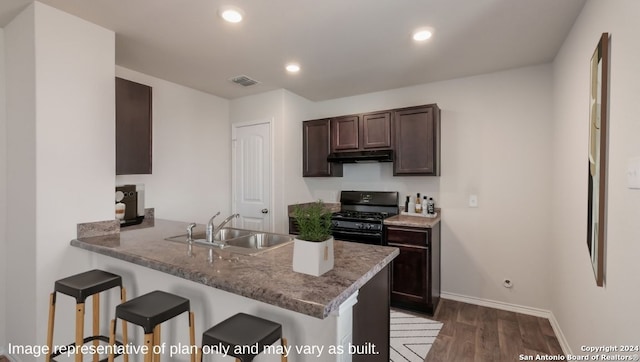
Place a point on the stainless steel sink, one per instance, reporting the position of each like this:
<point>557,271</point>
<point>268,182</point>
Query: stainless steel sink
<point>240,241</point>
<point>223,234</point>
<point>230,233</point>
<point>259,241</point>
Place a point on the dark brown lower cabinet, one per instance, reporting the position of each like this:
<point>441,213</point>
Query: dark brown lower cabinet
<point>415,273</point>
<point>371,319</point>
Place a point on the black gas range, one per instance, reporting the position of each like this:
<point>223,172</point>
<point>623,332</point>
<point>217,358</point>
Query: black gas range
<point>361,215</point>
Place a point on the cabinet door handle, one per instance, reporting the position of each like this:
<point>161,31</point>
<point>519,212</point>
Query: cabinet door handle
<point>265,211</point>
<point>410,246</point>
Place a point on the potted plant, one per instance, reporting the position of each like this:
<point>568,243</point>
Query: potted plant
<point>313,246</point>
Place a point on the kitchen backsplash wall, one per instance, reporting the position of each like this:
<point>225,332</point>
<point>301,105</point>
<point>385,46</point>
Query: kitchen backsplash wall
<point>373,177</point>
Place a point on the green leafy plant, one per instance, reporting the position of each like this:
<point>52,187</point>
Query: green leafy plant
<point>314,221</point>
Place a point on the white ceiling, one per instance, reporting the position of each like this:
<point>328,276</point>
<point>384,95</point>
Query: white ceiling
<point>345,47</point>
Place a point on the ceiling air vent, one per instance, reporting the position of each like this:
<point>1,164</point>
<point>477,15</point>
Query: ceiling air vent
<point>244,81</point>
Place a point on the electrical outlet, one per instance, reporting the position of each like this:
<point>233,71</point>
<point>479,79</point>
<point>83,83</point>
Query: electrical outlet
<point>473,200</point>
<point>633,174</point>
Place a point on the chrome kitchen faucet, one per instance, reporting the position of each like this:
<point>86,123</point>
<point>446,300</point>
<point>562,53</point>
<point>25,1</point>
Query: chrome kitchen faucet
<point>210,228</point>
<point>212,231</point>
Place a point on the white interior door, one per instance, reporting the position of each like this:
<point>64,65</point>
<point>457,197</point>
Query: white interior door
<point>252,175</point>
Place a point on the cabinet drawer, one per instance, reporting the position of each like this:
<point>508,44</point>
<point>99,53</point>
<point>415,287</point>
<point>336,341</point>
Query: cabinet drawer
<point>403,236</point>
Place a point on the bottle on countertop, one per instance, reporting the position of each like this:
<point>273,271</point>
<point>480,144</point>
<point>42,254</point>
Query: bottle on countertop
<point>406,203</point>
<point>431,206</point>
<point>412,205</point>
<point>418,208</point>
<point>425,205</point>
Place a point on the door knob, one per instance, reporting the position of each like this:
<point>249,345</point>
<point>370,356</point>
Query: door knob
<point>265,211</point>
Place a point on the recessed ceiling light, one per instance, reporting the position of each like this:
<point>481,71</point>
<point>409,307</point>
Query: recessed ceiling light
<point>292,68</point>
<point>422,35</point>
<point>232,15</point>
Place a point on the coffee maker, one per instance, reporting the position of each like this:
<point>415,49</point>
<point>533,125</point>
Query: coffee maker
<point>133,201</point>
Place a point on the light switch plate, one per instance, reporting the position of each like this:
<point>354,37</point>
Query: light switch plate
<point>473,200</point>
<point>633,173</point>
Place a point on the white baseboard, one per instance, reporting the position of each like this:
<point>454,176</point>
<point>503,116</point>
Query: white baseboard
<point>561,338</point>
<point>542,313</point>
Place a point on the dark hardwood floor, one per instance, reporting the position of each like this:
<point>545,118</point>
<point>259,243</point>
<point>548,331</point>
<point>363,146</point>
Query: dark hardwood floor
<point>475,333</point>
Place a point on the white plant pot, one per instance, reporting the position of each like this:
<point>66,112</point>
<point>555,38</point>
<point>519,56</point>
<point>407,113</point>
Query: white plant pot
<point>312,258</point>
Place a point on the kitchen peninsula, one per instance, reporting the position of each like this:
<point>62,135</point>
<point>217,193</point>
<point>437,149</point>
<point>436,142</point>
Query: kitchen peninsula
<point>333,309</point>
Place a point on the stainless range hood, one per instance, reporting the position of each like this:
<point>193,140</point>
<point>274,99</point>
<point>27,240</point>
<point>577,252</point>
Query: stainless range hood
<point>361,156</point>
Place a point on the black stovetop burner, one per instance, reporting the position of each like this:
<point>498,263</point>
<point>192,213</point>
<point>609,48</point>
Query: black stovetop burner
<point>375,205</point>
<point>360,215</point>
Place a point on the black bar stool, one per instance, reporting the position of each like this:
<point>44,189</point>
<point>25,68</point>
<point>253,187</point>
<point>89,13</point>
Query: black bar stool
<point>81,286</point>
<point>244,330</point>
<point>149,311</point>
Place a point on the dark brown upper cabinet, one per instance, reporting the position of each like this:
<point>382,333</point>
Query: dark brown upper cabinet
<point>376,130</point>
<point>345,133</point>
<point>316,145</point>
<point>412,133</point>
<point>417,141</point>
<point>361,132</point>
<point>133,128</point>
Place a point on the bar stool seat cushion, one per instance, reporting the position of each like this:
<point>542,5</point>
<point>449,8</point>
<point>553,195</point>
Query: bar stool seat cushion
<point>83,285</point>
<point>243,330</point>
<point>152,309</point>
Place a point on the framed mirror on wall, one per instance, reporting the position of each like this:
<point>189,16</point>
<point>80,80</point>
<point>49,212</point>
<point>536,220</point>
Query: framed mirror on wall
<point>597,172</point>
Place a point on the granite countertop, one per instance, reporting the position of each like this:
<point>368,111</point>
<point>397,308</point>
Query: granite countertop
<point>413,221</point>
<point>267,277</point>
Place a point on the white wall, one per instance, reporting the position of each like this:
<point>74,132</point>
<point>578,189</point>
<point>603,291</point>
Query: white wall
<point>590,315</point>
<point>75,94</point>
<point>296,108</point>
<point>21,185</point>
<point>191,152</point>
<point>60,96</point>
<point>3,195</point>
<point>495,143</point>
